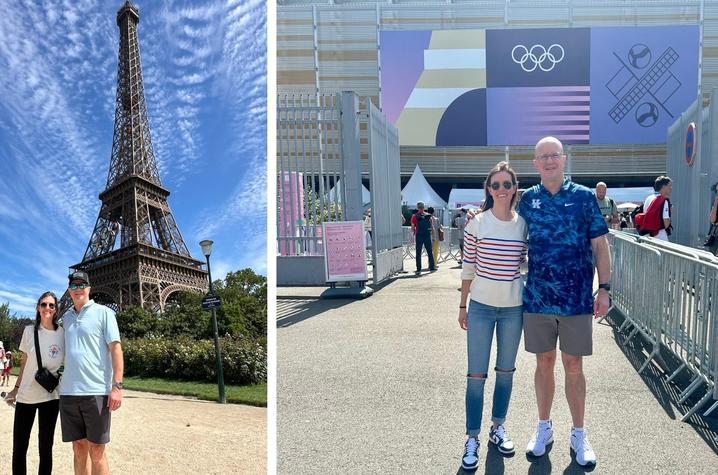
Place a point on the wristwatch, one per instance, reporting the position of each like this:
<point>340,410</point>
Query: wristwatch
<point>606,287</point>
<point>118,385</point>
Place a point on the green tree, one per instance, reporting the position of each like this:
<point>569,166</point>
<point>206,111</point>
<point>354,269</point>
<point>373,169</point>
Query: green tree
<point>183,316</point>
<point>244,304</point>
<point>11,327</point>
<point>136,322</point>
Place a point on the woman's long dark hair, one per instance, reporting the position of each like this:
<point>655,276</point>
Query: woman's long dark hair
<point>37,311</point>
<point>499,167</point>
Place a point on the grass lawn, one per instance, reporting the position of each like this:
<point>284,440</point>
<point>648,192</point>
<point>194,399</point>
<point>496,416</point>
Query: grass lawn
<point>254,395</point>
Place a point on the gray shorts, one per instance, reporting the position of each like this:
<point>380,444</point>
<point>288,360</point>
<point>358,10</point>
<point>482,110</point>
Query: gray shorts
<point>85,417</point>
<point>574,333</point>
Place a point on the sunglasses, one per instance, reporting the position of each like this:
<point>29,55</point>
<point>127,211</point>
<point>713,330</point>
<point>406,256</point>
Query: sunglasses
<point>496,185</point>
<point>47,305</point>
<point>79,286</point>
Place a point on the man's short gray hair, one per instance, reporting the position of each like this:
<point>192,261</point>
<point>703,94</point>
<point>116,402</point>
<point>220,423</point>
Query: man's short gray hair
<point>420,205</point>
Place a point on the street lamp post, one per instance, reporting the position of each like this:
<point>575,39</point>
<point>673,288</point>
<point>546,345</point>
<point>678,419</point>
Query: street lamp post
<point>207,250</point>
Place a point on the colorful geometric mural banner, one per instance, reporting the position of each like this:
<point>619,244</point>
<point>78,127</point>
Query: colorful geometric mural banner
<point>603,85</point>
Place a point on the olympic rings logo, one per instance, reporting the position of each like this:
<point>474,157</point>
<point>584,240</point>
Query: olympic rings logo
<point>537,57</point>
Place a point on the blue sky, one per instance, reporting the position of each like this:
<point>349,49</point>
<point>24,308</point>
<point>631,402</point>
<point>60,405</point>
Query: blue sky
<point>204,66</point>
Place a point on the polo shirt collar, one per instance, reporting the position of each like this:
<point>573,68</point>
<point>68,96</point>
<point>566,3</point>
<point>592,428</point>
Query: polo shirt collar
<point>564,186</point>
<point>87,305</point>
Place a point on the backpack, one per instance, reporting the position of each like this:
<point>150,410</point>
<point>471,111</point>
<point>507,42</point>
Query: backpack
<point>651,220</point>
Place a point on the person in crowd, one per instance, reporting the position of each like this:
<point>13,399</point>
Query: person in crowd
<point>8,368</point>
<point>461,226</point>
<point>711,243</point>
<point>662,188</point>
<point>494,246</point>
<point>2,358</point>
<point>608,207</point>
<point>434,235</point>
<point>421,227</point>
<point>28,396</point>
<point>566,231</point>
<point>91,386</point>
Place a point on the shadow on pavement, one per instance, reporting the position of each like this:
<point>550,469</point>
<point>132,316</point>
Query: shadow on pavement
<point>540,465</point>
<point>667,394</point>
<point>296,309</point>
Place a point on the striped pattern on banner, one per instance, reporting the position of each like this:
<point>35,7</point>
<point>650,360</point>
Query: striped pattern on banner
<point>493,258</point>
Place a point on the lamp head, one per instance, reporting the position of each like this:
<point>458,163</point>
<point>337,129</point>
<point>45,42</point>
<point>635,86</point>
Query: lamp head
<point>206,247</point>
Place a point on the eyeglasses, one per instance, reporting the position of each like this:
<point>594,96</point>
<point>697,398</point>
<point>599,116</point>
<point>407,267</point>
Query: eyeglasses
<point>47,305</point>
<point>79,286</point>
<point>496,185</point>
<point>546,156</point>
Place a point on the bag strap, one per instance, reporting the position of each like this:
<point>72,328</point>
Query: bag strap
<point>37,350</point>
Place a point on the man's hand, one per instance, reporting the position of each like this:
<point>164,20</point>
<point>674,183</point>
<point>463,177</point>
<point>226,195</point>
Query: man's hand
<point>601,304</point>
<point>462,318</point>
<point>115,400</point>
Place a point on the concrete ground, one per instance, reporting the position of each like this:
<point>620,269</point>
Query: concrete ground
<point>377,386</point>
<point>161,434</point>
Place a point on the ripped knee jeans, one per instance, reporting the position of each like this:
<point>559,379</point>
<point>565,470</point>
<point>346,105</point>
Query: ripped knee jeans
<point>482,321</point>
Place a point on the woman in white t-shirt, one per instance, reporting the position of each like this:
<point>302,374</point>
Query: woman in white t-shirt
<point>494,247</point>
<point>28,395</point>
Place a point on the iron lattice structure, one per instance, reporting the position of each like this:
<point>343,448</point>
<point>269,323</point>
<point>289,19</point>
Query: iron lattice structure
<point>151,259</point>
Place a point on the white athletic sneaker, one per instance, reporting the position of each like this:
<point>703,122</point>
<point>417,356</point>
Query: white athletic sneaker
<point>542,438</point>
<point>470,460</point>
<point>501,439</point>
<point>584,452</point>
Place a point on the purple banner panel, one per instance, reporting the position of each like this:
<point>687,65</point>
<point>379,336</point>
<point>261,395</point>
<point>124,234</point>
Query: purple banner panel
<point>402,62</point>
<point>642,80</point>
<point>523,115</point>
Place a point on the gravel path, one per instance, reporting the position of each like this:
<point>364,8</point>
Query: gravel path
<point>161,434</point>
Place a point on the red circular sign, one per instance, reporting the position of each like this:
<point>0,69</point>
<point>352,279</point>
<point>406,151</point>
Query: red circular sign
<point>690,143</point>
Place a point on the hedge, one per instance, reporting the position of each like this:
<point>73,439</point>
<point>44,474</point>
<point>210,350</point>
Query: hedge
<point>243,361</point>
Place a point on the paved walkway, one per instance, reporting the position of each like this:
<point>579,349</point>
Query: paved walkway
<point>377,386</point>
<point>161,434</point>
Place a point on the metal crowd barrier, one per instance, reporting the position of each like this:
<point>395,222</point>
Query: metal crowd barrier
<point>448,248</point>
<point>669,294</point>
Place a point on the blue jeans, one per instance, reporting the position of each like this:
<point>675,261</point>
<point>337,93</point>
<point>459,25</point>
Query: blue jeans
<point>481,321</point>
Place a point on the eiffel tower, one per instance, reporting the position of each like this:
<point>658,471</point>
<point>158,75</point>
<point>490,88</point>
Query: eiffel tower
<point>136,255</point>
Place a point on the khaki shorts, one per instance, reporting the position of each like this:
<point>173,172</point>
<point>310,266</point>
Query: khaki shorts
<point>574,333</point>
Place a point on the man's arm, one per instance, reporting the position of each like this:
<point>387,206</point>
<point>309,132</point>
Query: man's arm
<point>118,367</point>
<point>603,266</point>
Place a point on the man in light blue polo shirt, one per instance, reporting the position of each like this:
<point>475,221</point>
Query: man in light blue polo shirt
<point>566,230</point>
<point>91,386</point>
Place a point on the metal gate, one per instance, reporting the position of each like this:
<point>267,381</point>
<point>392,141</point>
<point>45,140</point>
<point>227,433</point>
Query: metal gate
<point>385,183</point>
<point>319,170</point>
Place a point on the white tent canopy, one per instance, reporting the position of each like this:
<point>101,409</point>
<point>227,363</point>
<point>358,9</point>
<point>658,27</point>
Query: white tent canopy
<point>336,190</point>
<point>460,197</point>
<point>418,189</point>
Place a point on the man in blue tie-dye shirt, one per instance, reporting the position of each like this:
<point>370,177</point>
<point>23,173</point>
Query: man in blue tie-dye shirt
<point>565,230</point>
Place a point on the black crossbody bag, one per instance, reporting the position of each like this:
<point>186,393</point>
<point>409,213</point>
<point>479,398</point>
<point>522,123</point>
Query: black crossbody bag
<point>43,376</point>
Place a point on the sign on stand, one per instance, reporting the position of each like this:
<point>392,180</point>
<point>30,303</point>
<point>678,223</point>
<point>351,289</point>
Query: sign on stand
<point>211,301</point>
<point>344,252</point>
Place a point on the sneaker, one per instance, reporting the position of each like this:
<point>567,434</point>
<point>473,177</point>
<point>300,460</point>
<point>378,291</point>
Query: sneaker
<point>584,452</point>
<point>501,439</point>
<point>542,438</point>
<point>470,460</point>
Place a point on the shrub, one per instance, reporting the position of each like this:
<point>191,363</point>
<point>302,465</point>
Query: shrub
<point>243,361</point>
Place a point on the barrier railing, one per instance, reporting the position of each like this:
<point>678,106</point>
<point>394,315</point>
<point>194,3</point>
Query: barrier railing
<point>669,294</point>
<point>448,248</point>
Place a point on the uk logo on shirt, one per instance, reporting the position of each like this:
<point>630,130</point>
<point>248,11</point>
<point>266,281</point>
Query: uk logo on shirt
<point>536,204</point>
<point>54,351</point>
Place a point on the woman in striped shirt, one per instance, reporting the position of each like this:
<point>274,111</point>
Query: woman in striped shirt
<point>494,247</point>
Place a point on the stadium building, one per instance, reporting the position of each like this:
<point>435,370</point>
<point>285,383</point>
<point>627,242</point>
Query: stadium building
<point>471,83</point>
